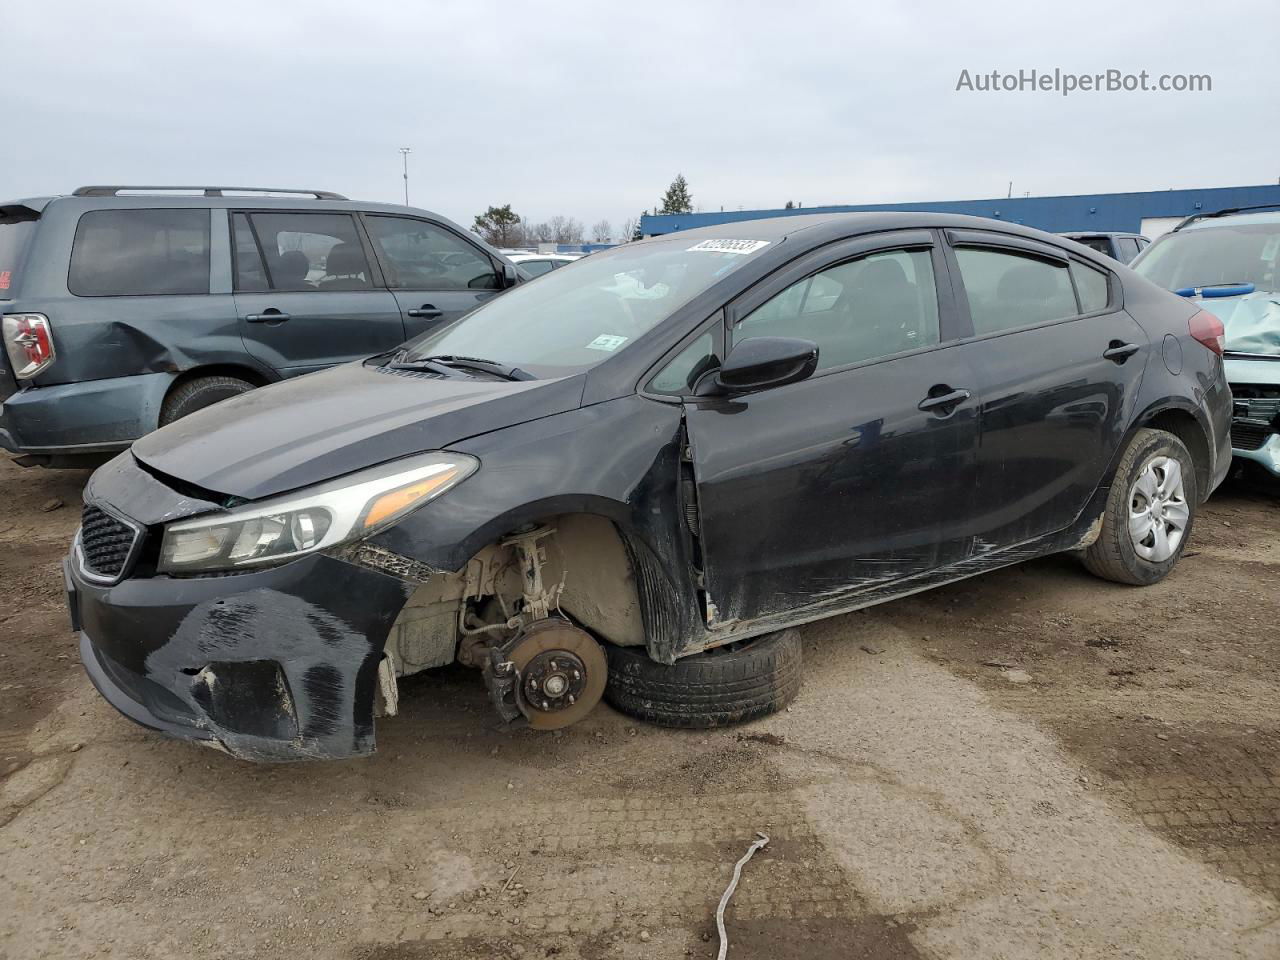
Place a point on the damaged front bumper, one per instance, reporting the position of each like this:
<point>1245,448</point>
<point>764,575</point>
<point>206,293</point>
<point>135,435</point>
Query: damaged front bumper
<point>275,664</point>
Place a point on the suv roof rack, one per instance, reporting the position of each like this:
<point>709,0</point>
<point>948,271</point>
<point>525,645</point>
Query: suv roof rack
<point>1225,212</point>
<point>111,191</point>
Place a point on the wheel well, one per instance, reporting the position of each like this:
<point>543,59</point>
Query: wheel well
<point>247,374</point>
<point>1187,429</point>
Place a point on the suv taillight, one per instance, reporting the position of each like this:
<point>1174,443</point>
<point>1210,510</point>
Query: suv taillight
<point>1208,329</point>
<point>28,338</point>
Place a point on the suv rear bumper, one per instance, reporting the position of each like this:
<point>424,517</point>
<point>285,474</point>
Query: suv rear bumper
<point>96,416</point>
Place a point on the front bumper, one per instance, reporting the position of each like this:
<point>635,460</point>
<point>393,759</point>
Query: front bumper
<point>277,664</point>
<point>95,416</point>
<point>1267,456</point>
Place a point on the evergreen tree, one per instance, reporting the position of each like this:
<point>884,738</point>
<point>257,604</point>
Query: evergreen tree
<point>677,199</point>
<point>500,226</point>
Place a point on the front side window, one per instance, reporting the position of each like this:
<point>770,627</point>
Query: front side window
<point>302,252</point>
<point>868,308</point>
<point>1009,290</point>
<point>1091,285</point>
<point>571,320</point>
<point>422,256</point>
<point>138,253</point>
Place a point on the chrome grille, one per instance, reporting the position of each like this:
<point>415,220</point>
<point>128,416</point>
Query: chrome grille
<point>106,544</point>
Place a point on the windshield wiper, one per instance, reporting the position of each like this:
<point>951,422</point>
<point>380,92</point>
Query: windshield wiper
<point>503,370</point>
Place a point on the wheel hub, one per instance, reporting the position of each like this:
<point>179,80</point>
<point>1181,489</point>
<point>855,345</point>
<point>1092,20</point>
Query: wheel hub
<point>562,672</point>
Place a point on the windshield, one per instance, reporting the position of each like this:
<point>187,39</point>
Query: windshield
<point>15,233</point>
<point>1202,257</point>
<point>575,317</point>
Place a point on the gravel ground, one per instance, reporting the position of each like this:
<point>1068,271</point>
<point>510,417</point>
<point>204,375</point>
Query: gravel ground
<point>1029,764</point>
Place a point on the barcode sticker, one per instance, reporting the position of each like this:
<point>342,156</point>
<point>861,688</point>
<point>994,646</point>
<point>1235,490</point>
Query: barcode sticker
<point>729,246</point>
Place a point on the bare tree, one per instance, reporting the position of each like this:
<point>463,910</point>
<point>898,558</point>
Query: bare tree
<point>602,232</point>
<point>541,232</point>
<point>628,229</point>
<point>566,229</point>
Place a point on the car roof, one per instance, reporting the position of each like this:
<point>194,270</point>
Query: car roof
<point>1269,216</point>
<point>1073,234</point>
<point>820,227</point>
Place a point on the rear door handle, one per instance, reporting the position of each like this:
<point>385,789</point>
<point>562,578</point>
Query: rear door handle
<point>1119,351</point>
<point>944,402</point>
<point>427,311</point>
<point>271,315</point>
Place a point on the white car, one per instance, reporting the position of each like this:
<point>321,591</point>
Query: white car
<point>536,264</point>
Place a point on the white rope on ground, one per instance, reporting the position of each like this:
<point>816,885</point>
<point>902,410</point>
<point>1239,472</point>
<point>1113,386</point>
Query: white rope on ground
<point>733,885</point>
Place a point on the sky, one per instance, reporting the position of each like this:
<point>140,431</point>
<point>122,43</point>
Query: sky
<point>589,109</point>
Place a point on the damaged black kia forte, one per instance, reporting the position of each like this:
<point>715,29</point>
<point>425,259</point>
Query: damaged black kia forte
<point>630,477</point>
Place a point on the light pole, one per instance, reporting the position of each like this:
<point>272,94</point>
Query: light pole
<point>404,152</point>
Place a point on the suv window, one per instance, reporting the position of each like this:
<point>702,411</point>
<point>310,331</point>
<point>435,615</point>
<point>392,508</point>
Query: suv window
<point>303,251</point>
<point>1128,248</point>
<point>1009,290</point>
<point>861,310</point>
<point>15,234</point>
<point>422,256</point>
<point>133,253</point>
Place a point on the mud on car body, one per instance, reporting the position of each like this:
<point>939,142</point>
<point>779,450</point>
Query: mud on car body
<point>631,478</point>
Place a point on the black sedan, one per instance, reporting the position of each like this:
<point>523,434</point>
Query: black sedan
<point>630,478</point>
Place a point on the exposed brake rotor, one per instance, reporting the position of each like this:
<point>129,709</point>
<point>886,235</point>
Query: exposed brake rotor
<point>562,672</point>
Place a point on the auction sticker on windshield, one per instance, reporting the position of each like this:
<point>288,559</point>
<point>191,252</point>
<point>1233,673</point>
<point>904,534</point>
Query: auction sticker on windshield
<point>729,246</point>
<point>607,342</point>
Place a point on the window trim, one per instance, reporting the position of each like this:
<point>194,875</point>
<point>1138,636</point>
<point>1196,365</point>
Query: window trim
<point>364,215</point>
<point>376,281</point>
<point>75,236</point>
<point>1017,246</point>
<point>846,251</point>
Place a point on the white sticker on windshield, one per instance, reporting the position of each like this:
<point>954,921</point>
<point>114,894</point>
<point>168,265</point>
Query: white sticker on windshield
<point>729,246</point>
<point>607,342</point>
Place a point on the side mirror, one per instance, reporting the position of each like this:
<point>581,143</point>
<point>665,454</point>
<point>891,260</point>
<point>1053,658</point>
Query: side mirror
<point>510,276</point>
<point>763,362</point>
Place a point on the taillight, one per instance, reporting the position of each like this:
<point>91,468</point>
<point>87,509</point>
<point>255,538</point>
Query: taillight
<point>1208,329</point>
<point>28,338</point>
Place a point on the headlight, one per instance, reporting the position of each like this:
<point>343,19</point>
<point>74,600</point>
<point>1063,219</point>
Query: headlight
<point>349,508</point>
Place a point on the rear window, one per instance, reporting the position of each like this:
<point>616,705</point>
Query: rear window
<point>138,253</point>
<point>15,235</point>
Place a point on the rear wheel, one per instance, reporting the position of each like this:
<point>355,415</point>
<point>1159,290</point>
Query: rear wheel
<point>1149,511</point>
<point>730,684</point>
<point>199,393</point>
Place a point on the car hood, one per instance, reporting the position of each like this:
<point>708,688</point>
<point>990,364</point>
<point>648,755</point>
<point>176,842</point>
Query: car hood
<point>327,424</point>
<point>1252,321</point>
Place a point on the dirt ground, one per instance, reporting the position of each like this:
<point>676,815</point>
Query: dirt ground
<point>1029,764</point>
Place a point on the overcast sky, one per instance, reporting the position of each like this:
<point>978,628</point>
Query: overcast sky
<point>588,109</point>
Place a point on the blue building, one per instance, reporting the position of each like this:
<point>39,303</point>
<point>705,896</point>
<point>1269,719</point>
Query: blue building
<point>1151,213</point>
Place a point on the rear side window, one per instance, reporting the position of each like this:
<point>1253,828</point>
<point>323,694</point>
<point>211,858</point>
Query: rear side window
<point>418,255</point>
<point>298,252</point>
<point>1091,285</point>
<point>536,268</point>
<point>15,234</point>
<point>1128,248</point>
<point>1008,290</point>
<point>139,253</point>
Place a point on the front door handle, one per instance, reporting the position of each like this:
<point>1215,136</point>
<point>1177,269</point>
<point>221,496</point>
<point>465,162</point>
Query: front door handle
<point>270,315</point>
<point>1119,351</point>
<point>943,399</point>
<point>427,312</point>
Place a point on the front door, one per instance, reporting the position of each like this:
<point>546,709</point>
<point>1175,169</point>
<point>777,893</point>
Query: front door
<point>1060,363</point>
<point>436,275</point>
<point>306,293</point>
<point>815,492</point>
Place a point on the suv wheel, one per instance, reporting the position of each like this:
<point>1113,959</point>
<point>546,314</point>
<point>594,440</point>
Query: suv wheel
<point>729,684</point>
<point>1149,511</point>
<point>200,393</point>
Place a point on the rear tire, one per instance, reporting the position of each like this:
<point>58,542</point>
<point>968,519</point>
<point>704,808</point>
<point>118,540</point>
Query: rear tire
<point>731,684</point>
<point>1117,553</point>
<point>200,393</point>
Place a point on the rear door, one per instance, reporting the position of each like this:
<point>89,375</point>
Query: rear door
<point>307,290</point>
<point>816,491</point>
<point>437,275</point>
<point>1060,363</point>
